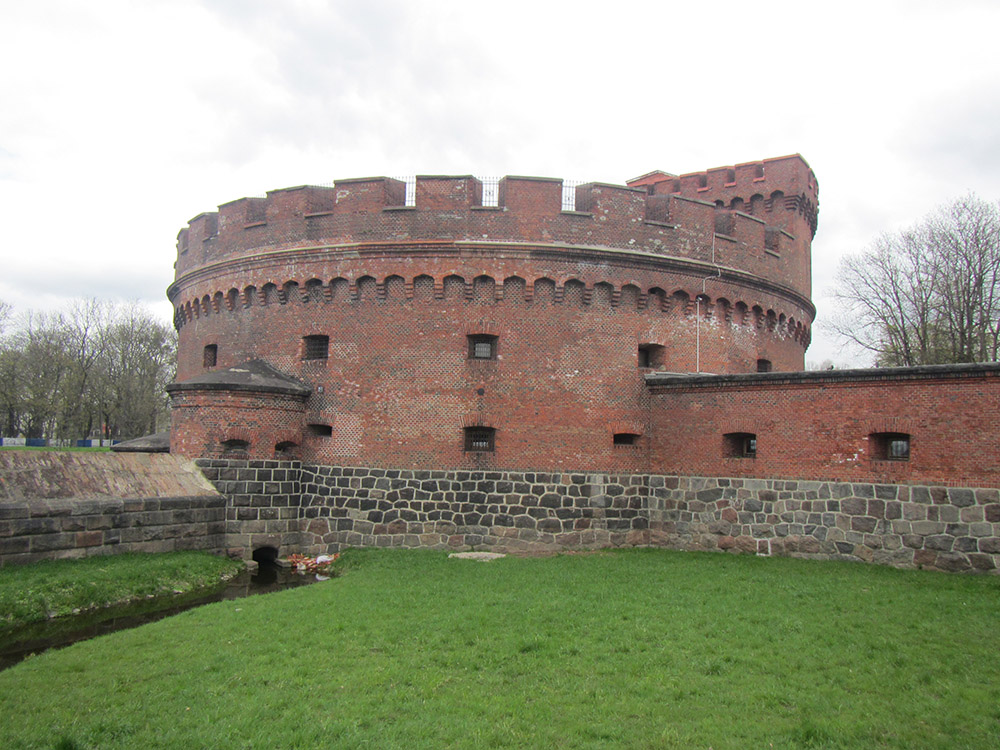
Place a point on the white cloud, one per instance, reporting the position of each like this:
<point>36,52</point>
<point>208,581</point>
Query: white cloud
<point>123,120</point>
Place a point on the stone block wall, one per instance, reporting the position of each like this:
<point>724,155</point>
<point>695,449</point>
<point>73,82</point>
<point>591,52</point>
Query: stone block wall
<point>527,511</point>
<point>263,502</point>
<point>944,528</point>
<point>309,508</point>
<point>33,530</point>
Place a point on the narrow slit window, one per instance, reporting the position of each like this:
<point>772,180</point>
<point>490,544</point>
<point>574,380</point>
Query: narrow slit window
<point>479,439</point>
<point>626,438</point>
<point>315,347</point>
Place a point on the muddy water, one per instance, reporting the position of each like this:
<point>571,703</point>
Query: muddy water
<point>37,637</point>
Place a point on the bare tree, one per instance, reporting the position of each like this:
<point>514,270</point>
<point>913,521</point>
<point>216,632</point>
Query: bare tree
<point>10,411</point>
<point>86,325</point>
<point>136,365</point>
<point>95,368</point>
<point>930,294</point>
<point>42,372</point>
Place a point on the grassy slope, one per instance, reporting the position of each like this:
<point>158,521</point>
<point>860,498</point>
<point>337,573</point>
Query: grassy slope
<point>636,649</point>
<point>32,593</point>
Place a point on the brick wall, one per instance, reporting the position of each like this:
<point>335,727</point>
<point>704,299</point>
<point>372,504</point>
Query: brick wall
<point>818,425</point>
<point>203,420</point>
<point>570,295</point>
<point>399,386</point>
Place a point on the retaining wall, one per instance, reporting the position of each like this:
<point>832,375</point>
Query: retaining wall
<point>71,528</point>
<point>315,509</point>
<point>67,505</point>
<point>309,508</point>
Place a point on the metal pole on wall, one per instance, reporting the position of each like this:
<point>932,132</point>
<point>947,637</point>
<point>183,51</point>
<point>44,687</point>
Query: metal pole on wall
<point>697,332</point>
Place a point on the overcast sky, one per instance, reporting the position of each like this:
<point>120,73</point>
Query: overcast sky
<point>122,120</point>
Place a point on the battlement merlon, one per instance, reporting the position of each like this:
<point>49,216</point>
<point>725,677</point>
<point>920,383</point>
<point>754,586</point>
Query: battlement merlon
<point>648,216</point>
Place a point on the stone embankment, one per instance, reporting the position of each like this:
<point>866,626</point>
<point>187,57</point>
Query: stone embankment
<point>64,505</point>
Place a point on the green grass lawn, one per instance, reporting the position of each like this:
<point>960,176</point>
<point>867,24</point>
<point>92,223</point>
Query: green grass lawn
<point>632,649</point>
<point>34,593</point>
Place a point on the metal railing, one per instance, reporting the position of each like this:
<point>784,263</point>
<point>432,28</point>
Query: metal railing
<point>491,190</point>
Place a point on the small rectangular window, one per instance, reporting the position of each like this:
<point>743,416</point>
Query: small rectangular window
<point>764,365</point>
<point>479,439</point>
<point>315,347</point>
<point>740,445</point>
<point>650,355</point>
<point>482,346</point>
<point>626,438</point>
<point>320,430</point>
<point>210,355</point>
<point>890,446</point>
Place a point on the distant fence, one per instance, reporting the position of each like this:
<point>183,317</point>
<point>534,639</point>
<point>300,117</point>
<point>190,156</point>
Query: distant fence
<point>46,443</point>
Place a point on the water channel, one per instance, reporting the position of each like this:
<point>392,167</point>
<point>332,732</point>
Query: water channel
<point>62,631</point>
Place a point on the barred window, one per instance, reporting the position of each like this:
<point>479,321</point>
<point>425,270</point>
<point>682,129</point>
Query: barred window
<point>479,439</point>
<point>890,446</point>
<point>315,347</point>
<point>482,346</point>
<point>740,445</point>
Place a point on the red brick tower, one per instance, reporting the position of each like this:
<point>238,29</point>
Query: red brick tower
<point>449,334</point>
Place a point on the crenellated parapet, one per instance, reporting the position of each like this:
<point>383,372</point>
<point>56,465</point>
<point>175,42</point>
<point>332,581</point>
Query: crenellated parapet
<point>762,226</point>
<point>782,191</point>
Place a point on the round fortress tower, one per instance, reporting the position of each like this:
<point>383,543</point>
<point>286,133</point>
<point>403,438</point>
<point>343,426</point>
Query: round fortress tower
<point>343,326</point>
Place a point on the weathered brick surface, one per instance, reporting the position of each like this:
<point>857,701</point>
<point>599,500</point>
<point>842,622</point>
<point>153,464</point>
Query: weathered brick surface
<point>818,426</point>
<point>570,296</point>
